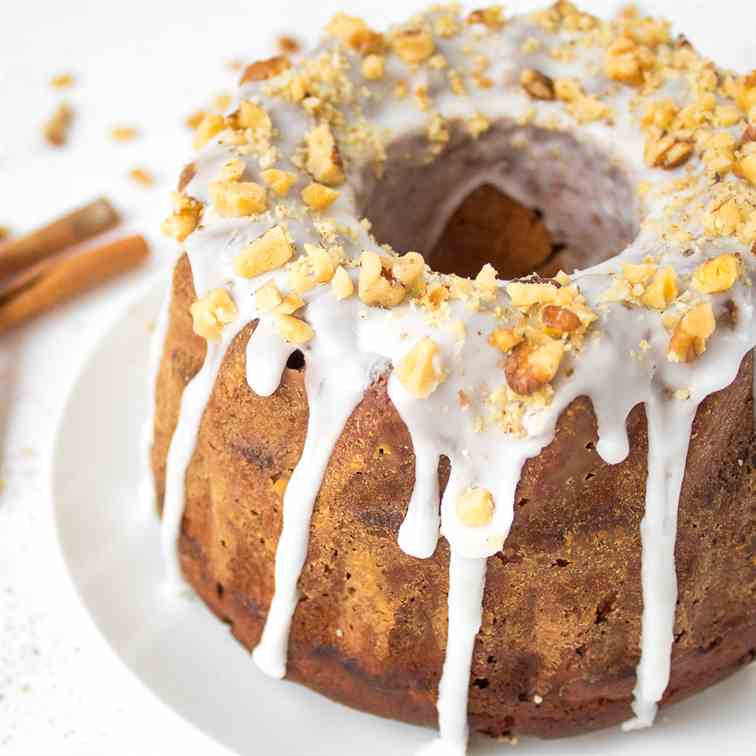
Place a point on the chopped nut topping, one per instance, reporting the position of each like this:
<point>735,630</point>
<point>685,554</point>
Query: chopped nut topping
<point>232,170</point>
<point>211,313</point>
<point>323,159</point>
<point>666,151</point>
<point>355,34</point>
<point>289,304</point>
<point>184,218</point>
<point>372,67</point>
<point>377,285</point>
<point>525,294</point>
<point>279,181</point>
<point>504,339</point>
<point>414,45</point>
<point>537,85</point>
<point>662,291</point>
<point>529,367</point>
<point>409,268</point>
<point>268,297</point>
<point>747,167</point>
<point>262,70</point>
<point>266,253</point>
<point>56,128</point>
<point>252,116</point>
<point>341,283</point>
<point>477,125</point>
<point>209,126</point>
<point>288,45</point>
<point>419,370</point>
<point>559,320</point>
<point>626,61</point>
<point>232,199</point>
<point>491,17</point>
<point>293,330</point>
<point>316,267</point>
<point>717,274</point>
<point>188,172</point>
<point>319,197</point>
<point>689,338</point>
<point>123,133</point>
<point>141,176</point>
<point>475,507</point>
<point>62,81</point>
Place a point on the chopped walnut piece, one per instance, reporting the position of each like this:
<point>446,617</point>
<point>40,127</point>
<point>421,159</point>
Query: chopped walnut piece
<point>414,45</point>
<point>662,291</point>
<point>262,70</point>
<point>193,120</point>
<point>746,93</point>
<point>62,81</point>
<point>568,90</point>
<point>56,128</point>
<point>188,172</point>
<point>252,116</point>
<point>665,151</point>
<point>266,253</point>
<point>232,170</point>
<point>268,297</point>
<point>355,34</point>
<point>689,338</point>
<point>491,17</point>
<point>537,85</point>
<point>318,196</point>
<point>747,167</point>
<point>504,339</point>
<point>293,330</point>
<point>184,218</point>
<point>722,219</point>
<point>625,61</point>
<point>141,176</point>
<point>373,67</point>
<point>419,371</point>
<point>323,159</point>
<point>279,181</point>
<point>475,507</point>
<point>525,294</point>
<point>377,285</point>
<point>638,272</point>
<point>477,125</point>
<point>316,267</point>
<point>288,45</point>
<point>211,313</point>
<point>211,125</point>
<point>749,134</point>
<point>717,274</point>
<point>559,320</point>
<point>233,199</point>
<point>341,284</point>
<point>289,304</point>
<point>660,113</point>
<point>409,268</point>
<point>123,133</point>
<point>529,367</point>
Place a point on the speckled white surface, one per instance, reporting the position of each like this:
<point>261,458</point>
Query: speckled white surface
<point>150,64</point>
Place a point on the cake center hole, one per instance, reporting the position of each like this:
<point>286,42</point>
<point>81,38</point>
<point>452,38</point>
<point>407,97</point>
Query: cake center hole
<point>524,199</point>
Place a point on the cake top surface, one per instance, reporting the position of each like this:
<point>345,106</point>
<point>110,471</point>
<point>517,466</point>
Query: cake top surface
<point>271,213</point>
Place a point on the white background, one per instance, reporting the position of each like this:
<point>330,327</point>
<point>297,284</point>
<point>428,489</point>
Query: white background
<point>148,64</point>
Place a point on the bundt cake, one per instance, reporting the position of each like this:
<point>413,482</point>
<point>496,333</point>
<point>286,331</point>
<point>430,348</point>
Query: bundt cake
<point>483,277</point>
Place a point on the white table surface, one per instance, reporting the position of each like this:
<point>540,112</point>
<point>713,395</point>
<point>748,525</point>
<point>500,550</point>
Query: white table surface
<point>148,64</point>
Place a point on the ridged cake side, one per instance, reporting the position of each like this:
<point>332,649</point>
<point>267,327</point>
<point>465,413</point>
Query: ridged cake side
<point>562,607</point>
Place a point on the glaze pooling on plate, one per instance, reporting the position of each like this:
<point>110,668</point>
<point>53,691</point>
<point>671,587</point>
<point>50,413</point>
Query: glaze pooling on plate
<point>271,216</point>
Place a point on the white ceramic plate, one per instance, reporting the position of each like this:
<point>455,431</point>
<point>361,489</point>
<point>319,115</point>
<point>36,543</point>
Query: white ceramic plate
<point>188,658</point>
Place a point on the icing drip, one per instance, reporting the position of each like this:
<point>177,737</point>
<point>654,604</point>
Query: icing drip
<point>332,396</point>
<point>148,493</point>
<point>467,579</point>
<point>193,403</point>
<point>668,441</point>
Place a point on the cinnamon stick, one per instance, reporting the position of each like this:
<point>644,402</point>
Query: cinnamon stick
<point>52,282</point>
<point>73,228</point>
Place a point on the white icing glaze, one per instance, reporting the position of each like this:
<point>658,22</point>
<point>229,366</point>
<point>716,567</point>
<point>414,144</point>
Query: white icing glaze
<point>467,579</point>
<point>354,342</point>
<point>148,494</point>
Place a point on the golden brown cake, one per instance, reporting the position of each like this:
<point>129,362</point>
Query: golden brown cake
<point>560,385</point>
